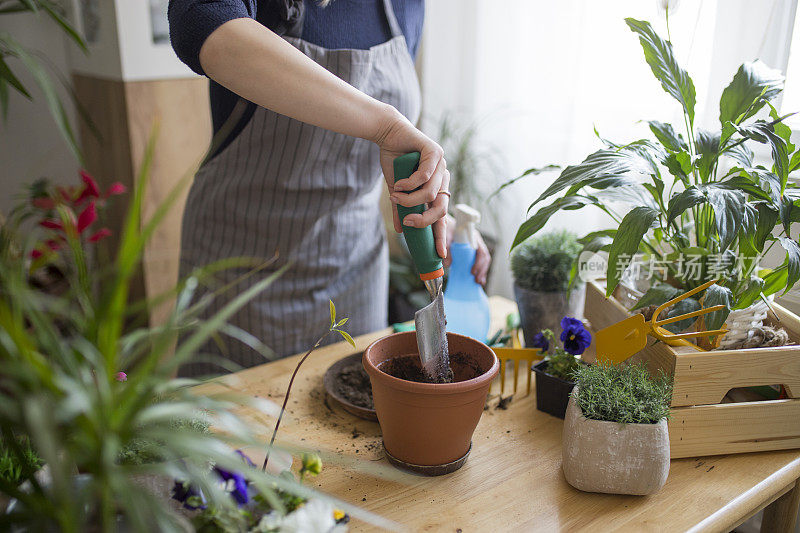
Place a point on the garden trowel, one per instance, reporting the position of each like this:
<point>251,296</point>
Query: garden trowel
<point>430,321</point>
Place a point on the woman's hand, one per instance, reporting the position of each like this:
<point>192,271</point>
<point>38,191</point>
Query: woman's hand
<point>397,136</point>
<point>483,258</point>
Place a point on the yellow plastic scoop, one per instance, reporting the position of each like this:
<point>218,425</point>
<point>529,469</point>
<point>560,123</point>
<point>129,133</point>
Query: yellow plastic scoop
<point>619,341</point>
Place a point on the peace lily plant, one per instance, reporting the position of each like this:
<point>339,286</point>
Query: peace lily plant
<point>696,205</point>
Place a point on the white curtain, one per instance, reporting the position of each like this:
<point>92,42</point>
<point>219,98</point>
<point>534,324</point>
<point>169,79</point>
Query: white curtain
<point>543,73</point>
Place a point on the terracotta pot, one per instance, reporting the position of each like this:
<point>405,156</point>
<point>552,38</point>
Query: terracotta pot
<point>614,458</point>
<point>428,424</point>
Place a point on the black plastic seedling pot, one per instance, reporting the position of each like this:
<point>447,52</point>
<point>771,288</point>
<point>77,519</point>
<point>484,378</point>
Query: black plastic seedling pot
<point>552,393</point>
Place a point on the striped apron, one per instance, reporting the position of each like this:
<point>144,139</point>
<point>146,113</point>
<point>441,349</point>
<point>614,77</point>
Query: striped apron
<point>304,196</point>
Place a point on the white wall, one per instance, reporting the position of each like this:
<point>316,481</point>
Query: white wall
<point>30,144</point>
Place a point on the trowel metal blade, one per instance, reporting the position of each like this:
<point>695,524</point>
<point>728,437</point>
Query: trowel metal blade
<point>432,340</point>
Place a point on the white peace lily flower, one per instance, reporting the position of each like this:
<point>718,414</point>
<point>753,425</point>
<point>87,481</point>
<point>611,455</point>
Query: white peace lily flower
<point>671,5</point>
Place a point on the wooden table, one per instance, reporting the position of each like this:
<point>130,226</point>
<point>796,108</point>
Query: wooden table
<point>512,480</point>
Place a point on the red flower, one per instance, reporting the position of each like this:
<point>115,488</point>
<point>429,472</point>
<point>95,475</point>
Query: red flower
<point>102,234</point>
<point>115,188</point>
<point>90,189</point>
<point>51,223</point>
<point>36,254</point>
<point>87,217</point>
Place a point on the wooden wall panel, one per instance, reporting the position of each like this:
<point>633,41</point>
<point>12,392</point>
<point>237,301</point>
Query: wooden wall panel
<point>126,114</point>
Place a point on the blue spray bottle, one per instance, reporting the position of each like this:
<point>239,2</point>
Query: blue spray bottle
<point>465,303</point>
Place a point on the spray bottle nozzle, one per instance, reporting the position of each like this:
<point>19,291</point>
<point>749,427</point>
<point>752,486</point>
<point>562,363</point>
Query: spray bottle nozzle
<point>466,218</point>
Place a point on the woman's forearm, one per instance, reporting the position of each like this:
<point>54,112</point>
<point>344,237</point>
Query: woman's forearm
<point>255,63</point>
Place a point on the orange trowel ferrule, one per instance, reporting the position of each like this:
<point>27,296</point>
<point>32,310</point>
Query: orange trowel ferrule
<point>432,275</point>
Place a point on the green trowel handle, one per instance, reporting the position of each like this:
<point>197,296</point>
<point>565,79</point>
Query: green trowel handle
<point>419,240</point>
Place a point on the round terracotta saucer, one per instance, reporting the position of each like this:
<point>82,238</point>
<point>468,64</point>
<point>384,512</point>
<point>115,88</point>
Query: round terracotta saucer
<point>329,380</point>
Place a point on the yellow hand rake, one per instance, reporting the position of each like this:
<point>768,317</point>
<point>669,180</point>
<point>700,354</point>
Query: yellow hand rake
<point>618,342</point>
<point>518,356</point>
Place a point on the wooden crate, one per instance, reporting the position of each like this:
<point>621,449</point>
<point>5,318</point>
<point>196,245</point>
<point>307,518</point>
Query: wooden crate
<point>700,423</point>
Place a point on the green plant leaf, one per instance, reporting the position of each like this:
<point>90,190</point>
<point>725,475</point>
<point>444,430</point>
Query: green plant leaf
<point>777,279</point>
<point>657,294</point>
<point>750,294</point>
<point>626,243</point>
<point>794,164</point>
<point>792,261</point>
<point>51,98</point>
<point>767,219</point>
<point>741,154</point>
<point>658,54</point>
<point>333,313</point>
<point>347,337</point>
<point>53,10</point>
<point>707,148</point>
<point>4,98</point>
<point>728,208</point>
<point>616,163</point>
<point>764,133</point>
<point>743,182</point>
<point>679,165</point>
<point>752,86</point>
<point>686,199</point>
<point>342,322</point>
<point>7,75</point>
<point>666,135</point>
<point>529,172</point>
<point>681,308</point>
<point>717,295</point>
<point>540,218</point>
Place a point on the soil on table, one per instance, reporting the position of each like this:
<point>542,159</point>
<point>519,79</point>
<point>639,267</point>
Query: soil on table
<point>409,368</point>
<point>353,385</point>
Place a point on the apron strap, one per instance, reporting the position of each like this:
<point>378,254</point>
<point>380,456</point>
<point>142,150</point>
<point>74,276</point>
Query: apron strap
<point>394,27</point>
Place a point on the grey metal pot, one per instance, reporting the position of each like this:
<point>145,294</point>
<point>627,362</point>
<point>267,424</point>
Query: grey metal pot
<point>544,310</point>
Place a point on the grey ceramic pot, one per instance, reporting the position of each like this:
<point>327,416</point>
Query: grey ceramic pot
<point>544,310</point>
<point>613,458</point>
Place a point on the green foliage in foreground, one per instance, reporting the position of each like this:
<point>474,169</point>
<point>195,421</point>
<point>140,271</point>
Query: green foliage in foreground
<point>624,393</point>
<point>142,451</point>
<point>18,465</point>
<point>61,356</point>
<point>543,263</point>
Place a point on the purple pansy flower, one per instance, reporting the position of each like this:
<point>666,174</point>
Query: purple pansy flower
<point>540,341</point>
<point>574,335</point>
<point>190,496</point>
<point>239,491</point>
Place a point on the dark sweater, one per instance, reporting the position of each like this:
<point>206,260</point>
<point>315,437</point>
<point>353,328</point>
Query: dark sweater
<point>342,24</point>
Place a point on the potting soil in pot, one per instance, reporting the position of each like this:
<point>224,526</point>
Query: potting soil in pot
<point>353,385</point>
<point>409,368</point>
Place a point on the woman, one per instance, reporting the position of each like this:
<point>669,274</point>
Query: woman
<point>309,103</point>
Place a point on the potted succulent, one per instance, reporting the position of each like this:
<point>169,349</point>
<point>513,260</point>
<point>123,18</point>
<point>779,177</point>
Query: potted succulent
<point>427,427</point>
<point>554,375</point>
<point>693,206</point>
<point>615,437</point>
<point>541,267</point>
